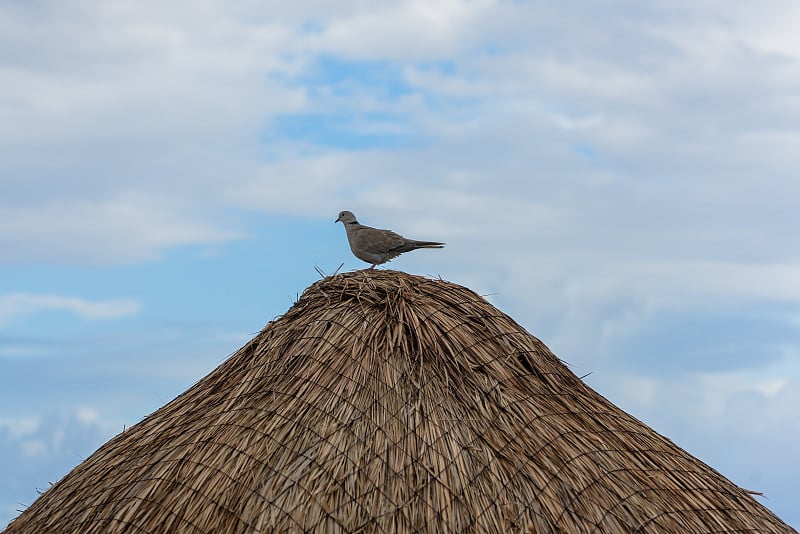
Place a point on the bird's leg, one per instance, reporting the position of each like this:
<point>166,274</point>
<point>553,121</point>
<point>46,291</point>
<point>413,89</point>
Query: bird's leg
<point>372,266</point>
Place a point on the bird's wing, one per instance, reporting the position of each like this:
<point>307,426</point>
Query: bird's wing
<point>375,241</point>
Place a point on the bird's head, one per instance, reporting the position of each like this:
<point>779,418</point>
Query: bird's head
<point>346,217</point>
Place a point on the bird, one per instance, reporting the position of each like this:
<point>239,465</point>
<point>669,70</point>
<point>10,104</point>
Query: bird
<point>377,246</point>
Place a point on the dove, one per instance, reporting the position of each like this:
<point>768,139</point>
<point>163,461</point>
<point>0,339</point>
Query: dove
<point>376,246</point>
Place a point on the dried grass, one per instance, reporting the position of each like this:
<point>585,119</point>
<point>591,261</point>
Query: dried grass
<point>384,402</point>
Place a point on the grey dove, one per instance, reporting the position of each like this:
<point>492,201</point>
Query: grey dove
<point>377,246</point>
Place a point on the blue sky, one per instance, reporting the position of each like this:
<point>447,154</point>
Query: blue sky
<point>621,179</point>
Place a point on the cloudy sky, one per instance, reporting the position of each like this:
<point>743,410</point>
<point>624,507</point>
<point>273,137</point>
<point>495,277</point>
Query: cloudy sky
<point>622,178</point>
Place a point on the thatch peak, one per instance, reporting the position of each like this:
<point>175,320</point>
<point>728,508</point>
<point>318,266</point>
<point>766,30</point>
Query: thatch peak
<point>382,286</point>
<point>405,318</point>
<point>378,286</point>
<point>386,402</point>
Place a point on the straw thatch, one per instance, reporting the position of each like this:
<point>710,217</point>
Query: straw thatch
<point>384,402</point>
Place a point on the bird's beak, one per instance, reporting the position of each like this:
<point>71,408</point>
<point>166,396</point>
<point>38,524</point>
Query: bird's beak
<point>337,220</point>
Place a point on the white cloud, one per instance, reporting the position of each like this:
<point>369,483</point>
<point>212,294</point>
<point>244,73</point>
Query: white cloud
<point>125,228</point>
<point>404,30</point>
<point>15,305</point>
<point>119,126</point>
<point>136,128</point>
<point>86,415</point>
<point>671,282</point>
<point>20,426</point>
<point>743,423</point>
<point>34,456</point>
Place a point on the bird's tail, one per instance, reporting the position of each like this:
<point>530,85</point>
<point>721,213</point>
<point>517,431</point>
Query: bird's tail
<point>427,244</point>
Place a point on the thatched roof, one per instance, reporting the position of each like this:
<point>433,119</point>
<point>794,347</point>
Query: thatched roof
<point>384,402</point>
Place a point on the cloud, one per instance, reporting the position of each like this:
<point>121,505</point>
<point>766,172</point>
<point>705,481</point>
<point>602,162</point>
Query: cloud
<point>404,31</point>
<point>126,228</point>
<point>38,451</point>
<point>16,305</point>
<point>743,424</point>
<point>622,121</point>
<point>119,127</point>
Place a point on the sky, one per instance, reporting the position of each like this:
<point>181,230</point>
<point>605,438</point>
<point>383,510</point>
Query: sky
<point>619,177</point>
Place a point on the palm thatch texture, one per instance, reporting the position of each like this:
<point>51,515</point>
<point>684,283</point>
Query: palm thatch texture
<point>384,402</point>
